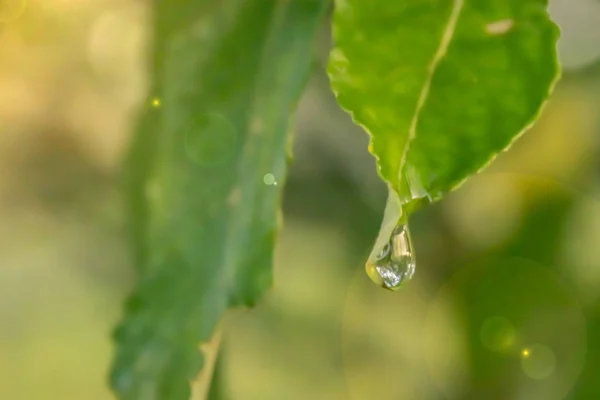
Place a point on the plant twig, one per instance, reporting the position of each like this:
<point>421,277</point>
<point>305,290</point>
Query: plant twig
<point>201,386</point>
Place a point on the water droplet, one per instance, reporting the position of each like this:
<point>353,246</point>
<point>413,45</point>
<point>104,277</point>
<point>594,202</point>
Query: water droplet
<point>392,261</point>
<point>395,263</point>
<point>269,179</point>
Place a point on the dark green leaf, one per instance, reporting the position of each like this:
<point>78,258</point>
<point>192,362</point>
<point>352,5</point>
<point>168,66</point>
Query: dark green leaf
<point>228,73</point>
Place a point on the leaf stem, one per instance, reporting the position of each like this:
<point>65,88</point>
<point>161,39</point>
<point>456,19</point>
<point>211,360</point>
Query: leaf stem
<point>201,386</point>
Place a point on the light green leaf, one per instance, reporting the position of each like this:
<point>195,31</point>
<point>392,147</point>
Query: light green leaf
<point>441,86</point>
<point>228,74</point>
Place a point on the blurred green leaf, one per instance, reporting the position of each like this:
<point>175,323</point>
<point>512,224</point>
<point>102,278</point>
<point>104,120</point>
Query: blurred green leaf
<point>227,76</point>
<point>442,86</point>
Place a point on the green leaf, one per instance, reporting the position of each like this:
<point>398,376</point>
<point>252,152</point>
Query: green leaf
<point>441,86</point>
<point>228,74</point>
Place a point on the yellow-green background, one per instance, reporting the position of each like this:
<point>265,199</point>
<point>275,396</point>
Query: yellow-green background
<point>505,303</point>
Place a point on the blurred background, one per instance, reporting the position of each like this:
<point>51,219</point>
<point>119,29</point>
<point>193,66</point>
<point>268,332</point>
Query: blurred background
<point>505,303</point>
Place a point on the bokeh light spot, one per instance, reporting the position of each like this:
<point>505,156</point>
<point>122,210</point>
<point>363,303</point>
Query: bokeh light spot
<point>510,302</point>
<point>497,334</point>
<point>156,102</point>
<point>538,362</point>
<point>269,179</point>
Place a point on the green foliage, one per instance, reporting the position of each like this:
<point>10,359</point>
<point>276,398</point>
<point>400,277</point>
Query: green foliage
<point>442,86</point>
<point>228,74</point>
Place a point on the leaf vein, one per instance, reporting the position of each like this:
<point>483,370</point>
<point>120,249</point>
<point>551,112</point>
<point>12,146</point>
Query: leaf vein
<point>440,53</point>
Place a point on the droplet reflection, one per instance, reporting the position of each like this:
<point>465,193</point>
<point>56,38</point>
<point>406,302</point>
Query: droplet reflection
<point>395,264</point>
